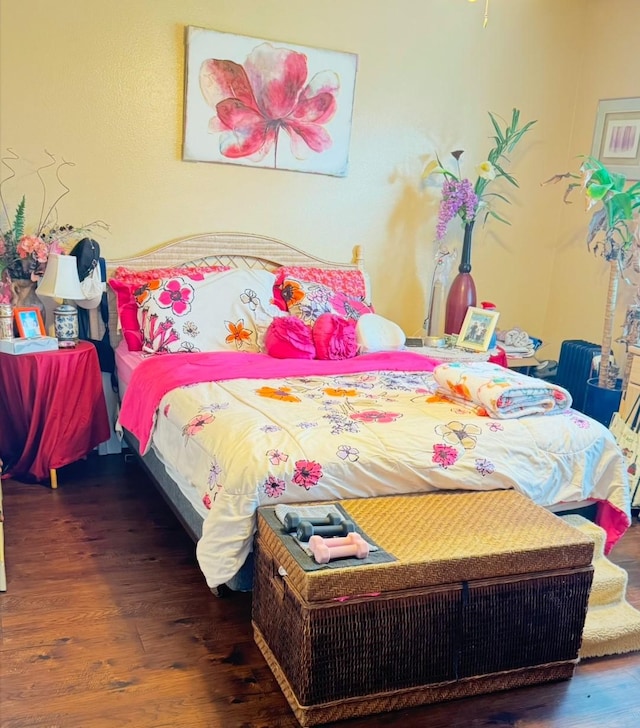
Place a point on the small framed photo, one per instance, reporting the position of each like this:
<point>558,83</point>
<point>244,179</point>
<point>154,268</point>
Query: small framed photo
<point>616,137</point>
<point>29,322</point>
<point>477,328</point>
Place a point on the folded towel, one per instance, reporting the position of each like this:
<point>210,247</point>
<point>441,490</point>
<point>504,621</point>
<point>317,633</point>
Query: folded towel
<point>503,393</point>
<point>515,337</point>
<point>518,351</point>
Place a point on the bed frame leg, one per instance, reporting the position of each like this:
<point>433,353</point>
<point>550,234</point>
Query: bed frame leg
<point>53,474</point>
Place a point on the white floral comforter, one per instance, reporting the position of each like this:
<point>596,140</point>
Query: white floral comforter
<point>243,443</point>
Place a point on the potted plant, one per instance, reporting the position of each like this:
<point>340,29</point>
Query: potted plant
<point>612,234</point>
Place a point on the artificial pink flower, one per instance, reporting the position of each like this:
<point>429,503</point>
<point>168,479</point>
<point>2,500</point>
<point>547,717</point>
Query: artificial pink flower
<point>253,102</point>
<point>176,295</point>
<point>32,245</point>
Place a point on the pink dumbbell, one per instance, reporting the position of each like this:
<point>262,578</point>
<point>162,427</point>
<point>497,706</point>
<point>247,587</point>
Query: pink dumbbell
<point>324,551</point>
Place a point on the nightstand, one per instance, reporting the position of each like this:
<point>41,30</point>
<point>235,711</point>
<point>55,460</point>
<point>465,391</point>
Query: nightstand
<point>55,404</point>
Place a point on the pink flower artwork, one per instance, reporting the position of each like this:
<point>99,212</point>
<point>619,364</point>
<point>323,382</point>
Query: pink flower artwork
<point>253,102</point>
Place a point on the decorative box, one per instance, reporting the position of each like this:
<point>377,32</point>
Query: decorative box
<point>485,591</point>
<point>34,345</point>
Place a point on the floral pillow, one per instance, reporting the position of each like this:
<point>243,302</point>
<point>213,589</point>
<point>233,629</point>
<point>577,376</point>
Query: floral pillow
<point>230,311</point>
<point>138,278</point>
<point>350,282</point>
<point>126,282</point>
<point>308,301</point>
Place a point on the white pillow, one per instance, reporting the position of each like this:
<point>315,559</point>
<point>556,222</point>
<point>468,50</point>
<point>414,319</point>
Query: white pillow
<point>229,311</point>
<point>376,333</point>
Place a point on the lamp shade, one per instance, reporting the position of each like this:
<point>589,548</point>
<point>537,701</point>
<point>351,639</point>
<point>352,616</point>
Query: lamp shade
<point>60,279</point>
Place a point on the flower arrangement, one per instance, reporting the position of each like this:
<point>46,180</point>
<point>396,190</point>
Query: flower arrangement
<point>24,254</point>
<point>613,233</point>
<point>467,200</point>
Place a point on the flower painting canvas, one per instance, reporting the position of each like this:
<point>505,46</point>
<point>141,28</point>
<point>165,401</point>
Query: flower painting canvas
<point>267,104</point>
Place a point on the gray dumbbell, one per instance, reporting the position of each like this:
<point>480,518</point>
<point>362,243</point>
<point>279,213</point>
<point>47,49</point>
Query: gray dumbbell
<point>292,520</point>
<point>306,529</point>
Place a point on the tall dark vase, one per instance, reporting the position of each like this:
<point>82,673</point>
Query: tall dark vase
<point>462,292</point>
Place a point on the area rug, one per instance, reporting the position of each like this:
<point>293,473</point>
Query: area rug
<point>612,625</point>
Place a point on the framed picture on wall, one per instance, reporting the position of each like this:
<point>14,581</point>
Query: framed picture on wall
<point>477,328</point>
<point>264,103</point>
<point>616,139</point>
<point>29,322</point>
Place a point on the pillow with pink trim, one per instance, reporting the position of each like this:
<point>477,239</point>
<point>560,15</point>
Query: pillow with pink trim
<point>229,311</point>
<point>350,282</point>
<point>288,337</point>
<point>139,277</point>
<point>334,337</point>
<point>308,301</point>
<point>126,282</point>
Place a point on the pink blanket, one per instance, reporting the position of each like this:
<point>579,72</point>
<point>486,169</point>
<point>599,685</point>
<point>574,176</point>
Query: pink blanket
<point>155,377</point>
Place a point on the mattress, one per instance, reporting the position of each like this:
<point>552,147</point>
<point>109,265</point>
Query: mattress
<point>126,362</point>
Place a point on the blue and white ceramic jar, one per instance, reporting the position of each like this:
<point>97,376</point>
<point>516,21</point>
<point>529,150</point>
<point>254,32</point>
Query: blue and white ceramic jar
<point>65,324</point>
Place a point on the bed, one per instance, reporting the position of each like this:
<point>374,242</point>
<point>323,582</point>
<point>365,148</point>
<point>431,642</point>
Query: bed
<point>223,428</point>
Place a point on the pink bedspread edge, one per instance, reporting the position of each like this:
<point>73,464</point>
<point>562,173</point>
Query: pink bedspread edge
<point>614,522</point>
<point>158,375</point>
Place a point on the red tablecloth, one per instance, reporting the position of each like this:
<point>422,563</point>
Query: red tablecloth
<point>52,409</point>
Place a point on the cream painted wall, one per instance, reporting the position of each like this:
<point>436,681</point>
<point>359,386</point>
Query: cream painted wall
<point>579,282</point>
<point>101,83</point>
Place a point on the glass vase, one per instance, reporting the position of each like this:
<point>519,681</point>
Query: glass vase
<point>462,292</point>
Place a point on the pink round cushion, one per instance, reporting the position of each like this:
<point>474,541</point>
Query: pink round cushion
<point>288,337</point>
<point>334,337</point>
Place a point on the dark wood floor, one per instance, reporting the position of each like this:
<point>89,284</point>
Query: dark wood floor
<point>107,622</point>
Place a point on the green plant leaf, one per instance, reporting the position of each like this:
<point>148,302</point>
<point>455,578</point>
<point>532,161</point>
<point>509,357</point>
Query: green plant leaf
<point>597,191</point>
<point>620,207</point>
<point>493,213</point>
<point>18,223</point>
<point>506,175</point>
<point>497,194</point>
<point>499,135</point>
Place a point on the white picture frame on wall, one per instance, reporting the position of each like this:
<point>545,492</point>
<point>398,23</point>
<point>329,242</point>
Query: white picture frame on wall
<point>263,103</point>
<point>616,138</point>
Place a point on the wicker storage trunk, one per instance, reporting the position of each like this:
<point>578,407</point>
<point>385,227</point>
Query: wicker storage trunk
<point>487,592</point>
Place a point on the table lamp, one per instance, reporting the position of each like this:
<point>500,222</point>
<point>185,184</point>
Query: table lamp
<point>60,280</point>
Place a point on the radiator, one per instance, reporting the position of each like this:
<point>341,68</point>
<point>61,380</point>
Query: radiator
<point>575,366</point>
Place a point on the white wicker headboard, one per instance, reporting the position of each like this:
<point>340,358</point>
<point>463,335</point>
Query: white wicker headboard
<point>238,250</point>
